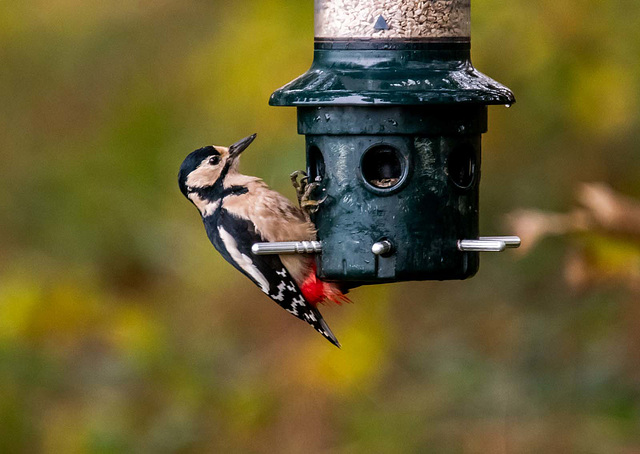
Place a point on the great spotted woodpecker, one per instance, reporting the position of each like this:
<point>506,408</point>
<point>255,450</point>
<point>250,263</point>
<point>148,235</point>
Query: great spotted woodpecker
<point>240,210</point>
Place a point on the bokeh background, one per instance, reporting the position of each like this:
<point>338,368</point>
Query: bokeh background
<point>122,330</point>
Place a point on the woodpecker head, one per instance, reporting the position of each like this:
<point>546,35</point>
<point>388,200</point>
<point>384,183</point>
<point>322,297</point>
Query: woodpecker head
<point>206,166</point>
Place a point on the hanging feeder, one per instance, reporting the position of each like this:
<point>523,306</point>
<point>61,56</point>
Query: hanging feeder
<point>393,112</point>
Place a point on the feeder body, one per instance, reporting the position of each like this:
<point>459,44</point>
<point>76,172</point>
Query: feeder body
<point>407,175</point>
<point>393,112</point>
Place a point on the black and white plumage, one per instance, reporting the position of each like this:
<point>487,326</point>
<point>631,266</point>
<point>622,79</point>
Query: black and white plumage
<point>238,211</point>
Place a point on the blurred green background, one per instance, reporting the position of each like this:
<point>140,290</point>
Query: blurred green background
<point>122,330</point>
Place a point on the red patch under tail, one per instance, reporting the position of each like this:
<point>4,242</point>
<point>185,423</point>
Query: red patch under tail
<point>317,292</point>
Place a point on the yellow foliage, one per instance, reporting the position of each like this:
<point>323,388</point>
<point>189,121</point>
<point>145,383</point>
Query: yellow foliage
<point>19,298</point>
<point>64,431</point>
<point>604,98</point>
<point>136,332</point>
<point>614,256</point>
<point>32,311</point>
<point>364,333</point>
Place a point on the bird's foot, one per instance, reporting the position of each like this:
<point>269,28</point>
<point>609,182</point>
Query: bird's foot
<point>304,190</point>
<point>308,204</point>
<point>299,180</point>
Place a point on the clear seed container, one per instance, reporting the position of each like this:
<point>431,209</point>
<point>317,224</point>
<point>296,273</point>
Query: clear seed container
<point>389,19</point>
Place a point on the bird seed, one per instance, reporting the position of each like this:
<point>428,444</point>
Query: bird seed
<point>392,18</point>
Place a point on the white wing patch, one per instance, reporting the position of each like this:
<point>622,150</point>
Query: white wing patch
<point>243,260</point>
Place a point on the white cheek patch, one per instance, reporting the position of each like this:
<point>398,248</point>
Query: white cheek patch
<point>243,260</point>
<point>204,175</point>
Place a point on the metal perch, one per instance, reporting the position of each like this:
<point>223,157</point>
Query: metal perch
<point>482,244</point>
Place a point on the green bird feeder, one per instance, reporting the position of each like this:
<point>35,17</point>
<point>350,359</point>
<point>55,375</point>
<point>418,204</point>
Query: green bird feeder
<point>393,112</point>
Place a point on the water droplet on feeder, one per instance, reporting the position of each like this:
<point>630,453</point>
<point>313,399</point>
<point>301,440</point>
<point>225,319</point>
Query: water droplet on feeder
<point>381,24</point>
<point>507,105</point>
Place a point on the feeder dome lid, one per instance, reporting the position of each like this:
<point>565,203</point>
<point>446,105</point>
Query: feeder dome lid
<point>408,72</point>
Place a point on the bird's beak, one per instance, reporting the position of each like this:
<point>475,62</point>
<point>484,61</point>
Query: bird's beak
<point>240,146</point>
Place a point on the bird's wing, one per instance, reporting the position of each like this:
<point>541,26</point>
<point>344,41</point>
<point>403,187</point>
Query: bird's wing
<point>233,238</point>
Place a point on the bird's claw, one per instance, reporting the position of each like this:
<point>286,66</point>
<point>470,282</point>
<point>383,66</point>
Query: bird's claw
<point>304,189</point>
<point>306,202</point>
<point>299,180</point>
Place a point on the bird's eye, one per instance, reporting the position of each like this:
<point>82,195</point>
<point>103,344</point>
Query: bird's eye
<point>214,160</point>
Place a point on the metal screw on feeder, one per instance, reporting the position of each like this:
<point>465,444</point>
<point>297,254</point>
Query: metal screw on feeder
<point>393,112</point>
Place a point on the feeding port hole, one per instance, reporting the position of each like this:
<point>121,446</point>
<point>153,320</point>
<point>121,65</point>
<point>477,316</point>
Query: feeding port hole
<point>316,164</point>
<point>382,167</point>
<point>461,166</point>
